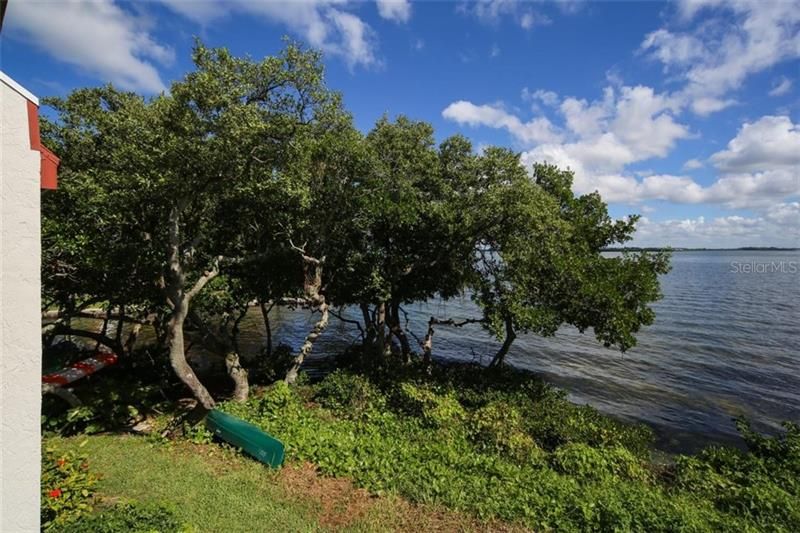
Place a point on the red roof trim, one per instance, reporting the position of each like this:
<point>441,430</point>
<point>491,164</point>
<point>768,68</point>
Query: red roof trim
<point>33,125</point>
<point>48,170</point>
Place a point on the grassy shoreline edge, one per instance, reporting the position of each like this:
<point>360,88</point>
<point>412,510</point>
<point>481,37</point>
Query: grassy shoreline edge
<point>506,446</point>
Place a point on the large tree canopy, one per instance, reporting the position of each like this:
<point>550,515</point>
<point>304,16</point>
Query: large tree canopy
<point>247,183</point>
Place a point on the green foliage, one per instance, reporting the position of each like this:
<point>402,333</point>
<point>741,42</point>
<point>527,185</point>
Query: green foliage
<point>67,488</point>
<point>433,409</point>
<point>491,462</point>
<point>599,464</point>
<point>762,484</point>
<point>348,394</point>
<point>560,422</point>
<point>498,427</point>
<point>129,517</point>
<point>197,433</point>
<point>116,399</point>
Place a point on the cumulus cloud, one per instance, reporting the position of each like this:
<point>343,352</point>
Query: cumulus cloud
<point>97,36</point>
<point>395,10</point>
<point>693,164</point>
<point>735,39</point>
<point>325,24</point>
<point>626,126</point>
<point>781,87</point>
<point>779,226</point>
<point>493,116</point>
<point>771,142</point>
<point>599,139</point>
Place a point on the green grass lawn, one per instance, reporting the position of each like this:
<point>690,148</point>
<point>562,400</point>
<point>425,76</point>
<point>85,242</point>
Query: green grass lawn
<point>214,489</point>
<point>210,488</point>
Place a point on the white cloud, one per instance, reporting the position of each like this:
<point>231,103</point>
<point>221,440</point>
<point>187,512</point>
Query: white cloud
<point>585,119</point>
<point>97,36</point>
<point>781,87</point>
<point>548,98</point>
<point>769,143</point>
<point>492,11</point>
<point>757,189</point>
<point>626,126</point>
<point>493,116</point>
<point>644,122</point>
<point>693,164</point>
<point>705,105</point>
<point>758,168</point>
<point>494,51</point>
<point>777,226</point>
<point>323,23</point>
<point>396,10</point>
<point>200,11</point>
<point>357,39</point>
<point>785,215</point>
<point>735,39</point>
<point>674,50</point>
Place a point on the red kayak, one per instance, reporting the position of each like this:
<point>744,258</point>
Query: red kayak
<point>80,369</point>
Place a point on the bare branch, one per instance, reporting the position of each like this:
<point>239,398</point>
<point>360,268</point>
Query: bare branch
<point>205,278</point>
<point>348,321</point>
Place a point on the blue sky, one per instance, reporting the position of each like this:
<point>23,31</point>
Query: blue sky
<point>685,112</point>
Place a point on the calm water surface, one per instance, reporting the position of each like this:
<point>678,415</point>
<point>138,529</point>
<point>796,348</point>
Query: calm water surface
<point>725,342</point>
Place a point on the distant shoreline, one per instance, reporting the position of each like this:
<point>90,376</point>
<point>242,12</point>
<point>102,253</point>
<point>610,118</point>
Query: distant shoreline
<point>677,249</point>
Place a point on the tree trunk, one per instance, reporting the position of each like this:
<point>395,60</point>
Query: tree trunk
<point>238,374</point>
<point>312,285</point>
<point>369,324</point>
<point>427,343</point>
<point>382,340</point>
<point>510,336</point>
<point>308,344</point>
<point>179,302</point>
<point>220,345</point>
<point>177,358</point>
<point>267,327</point>
<point>132,336</point>
<point>398,332</point>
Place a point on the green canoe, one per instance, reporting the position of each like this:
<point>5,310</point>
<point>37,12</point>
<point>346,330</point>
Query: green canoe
<point>246,436</point>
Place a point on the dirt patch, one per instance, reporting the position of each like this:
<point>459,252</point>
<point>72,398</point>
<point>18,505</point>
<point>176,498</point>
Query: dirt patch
<point>341,505</point>
<point>339,502</point>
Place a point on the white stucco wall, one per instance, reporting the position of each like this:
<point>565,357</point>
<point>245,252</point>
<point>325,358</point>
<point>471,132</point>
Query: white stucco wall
<point>20,316</point>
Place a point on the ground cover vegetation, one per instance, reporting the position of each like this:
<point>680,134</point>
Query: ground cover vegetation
<point>498,448</point>
<point>246,186</point>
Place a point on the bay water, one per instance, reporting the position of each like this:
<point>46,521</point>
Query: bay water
<point>725,343</point>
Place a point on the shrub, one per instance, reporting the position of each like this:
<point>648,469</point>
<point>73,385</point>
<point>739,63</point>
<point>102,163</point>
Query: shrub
<point>761,485</point>
<point>67,487</point>
<point>129,517</point>
<point>349,394</point>
<point>438,410</point>
<point>499,428</point>
<point>555,421</point>
<point>117,398</point>
<point>598,464</point>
